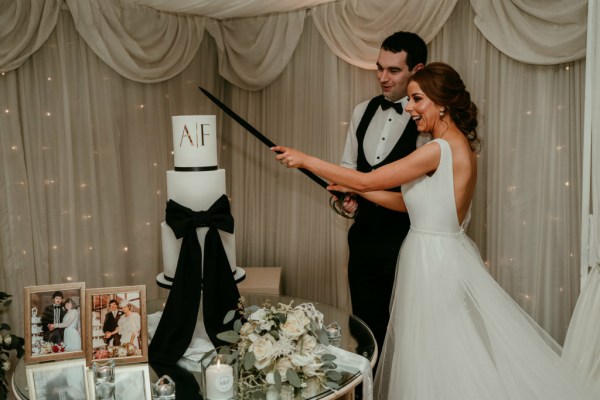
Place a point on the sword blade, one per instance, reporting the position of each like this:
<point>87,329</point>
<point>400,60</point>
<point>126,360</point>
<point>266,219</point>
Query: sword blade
<point>257,134</point>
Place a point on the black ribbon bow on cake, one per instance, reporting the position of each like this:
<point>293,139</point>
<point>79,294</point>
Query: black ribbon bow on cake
<point>213,281</point>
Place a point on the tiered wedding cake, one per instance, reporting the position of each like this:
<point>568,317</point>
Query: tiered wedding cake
<point>97,333</point>
<point>196,183</point>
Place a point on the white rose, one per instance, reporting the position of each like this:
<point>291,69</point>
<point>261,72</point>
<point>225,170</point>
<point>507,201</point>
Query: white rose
<point>7,340</point>
<point>6,365</point>
<point>253,337</point>
<point>300,315</point>
<point>306,344</point>
<point>300,360</point>
<point>258,315</point>
<point>293,327</point>
<point>247,329</point>
<point>263,350</point>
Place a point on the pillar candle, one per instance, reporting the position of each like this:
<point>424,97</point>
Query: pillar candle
<point>219,382</point>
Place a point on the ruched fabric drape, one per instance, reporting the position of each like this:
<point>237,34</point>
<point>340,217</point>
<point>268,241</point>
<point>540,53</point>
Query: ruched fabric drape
<point>88,88</point>
<point>581,343</point>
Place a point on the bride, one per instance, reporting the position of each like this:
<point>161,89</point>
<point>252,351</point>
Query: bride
<point>71,323</point>
<point>454,334</point>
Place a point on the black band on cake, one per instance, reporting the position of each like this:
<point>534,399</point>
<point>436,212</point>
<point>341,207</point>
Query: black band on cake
<point>213,168</point>
<point>168,278</point>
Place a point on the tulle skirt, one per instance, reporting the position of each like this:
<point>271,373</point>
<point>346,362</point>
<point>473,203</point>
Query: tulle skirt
<point>454,334</point>
<point>582,344</point>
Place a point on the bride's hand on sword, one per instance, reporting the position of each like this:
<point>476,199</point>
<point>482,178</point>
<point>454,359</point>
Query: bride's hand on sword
<point>289,157</point>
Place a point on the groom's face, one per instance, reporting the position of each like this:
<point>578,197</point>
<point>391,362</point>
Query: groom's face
<point>58,300</point>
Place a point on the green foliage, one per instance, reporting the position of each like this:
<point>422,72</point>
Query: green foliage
<point>8,344</point>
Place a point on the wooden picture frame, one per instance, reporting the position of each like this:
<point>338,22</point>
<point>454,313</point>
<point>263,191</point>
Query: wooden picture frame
<point>105,332</point>
<point>44,342</point>
<point>132,381</point>
<point>59,379</point>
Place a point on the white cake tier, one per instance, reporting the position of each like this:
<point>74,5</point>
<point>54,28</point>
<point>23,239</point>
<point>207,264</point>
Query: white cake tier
<point>195,141</point>
<point>197,190</point>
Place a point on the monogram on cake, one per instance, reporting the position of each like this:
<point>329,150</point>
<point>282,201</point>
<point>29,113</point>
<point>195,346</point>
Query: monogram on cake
<point>196,182</point>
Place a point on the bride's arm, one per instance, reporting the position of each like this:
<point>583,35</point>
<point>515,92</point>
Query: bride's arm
<point>68,319</point>
<point>392,200</point>
<point>420,162</point>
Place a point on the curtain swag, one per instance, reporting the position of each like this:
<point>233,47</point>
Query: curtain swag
<point>152,40</point>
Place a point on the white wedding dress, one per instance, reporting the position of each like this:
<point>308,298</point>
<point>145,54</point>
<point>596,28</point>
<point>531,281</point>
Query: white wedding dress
<point>454,333</point>
<point>71,334</point>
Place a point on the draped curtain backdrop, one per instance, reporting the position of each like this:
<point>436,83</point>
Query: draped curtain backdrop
<point>88,88</point>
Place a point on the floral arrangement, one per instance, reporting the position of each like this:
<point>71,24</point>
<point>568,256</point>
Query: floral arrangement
<point>281,344</point>
<point>8,343</point>
<point>124,350</point>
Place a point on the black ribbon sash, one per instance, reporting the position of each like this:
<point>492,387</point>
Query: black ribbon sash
<point>213,280</point>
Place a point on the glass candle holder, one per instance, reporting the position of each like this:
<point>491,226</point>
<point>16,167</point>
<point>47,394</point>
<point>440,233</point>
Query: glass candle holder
<point>104,378</point>
<point>163,389</point>
<point>219,378</point>
<point>334,333</point>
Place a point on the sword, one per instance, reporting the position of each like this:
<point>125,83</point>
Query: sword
<point>256,133</point>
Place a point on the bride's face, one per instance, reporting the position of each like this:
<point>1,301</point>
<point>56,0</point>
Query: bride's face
<point>422,109</point>
<point>68,306</point>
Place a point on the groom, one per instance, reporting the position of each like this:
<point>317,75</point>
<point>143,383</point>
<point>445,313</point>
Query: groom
<point>111,322</point>
<point>380,133</point>
<point>53,314</point>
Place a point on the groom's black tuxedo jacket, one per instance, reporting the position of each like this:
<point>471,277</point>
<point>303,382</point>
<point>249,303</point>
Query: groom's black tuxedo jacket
<point>111,322</point>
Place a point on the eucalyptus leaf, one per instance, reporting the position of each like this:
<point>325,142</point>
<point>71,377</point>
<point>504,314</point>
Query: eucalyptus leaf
<point>249,360</point>
<point>323,338</point>
<point>277,378</point>
<point>7,303</point>
<point>229,316</point>
<point>314,326</point>
<point>275,334</point>
<point>293,378</point>
<point>328,357</point>
<point>329,365</point>
<point>229,336</point>
<point>333,375</point>
<point>332,385</point>
<point>237,325</point>
<point>281,317</point>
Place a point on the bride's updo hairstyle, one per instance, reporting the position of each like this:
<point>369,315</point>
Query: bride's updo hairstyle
<point>443,85</point>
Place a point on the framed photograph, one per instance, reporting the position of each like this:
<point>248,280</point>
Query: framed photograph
<point>116,324</point>
<point>54,326</point>
<point>58,380</point>
<point>131,382</point>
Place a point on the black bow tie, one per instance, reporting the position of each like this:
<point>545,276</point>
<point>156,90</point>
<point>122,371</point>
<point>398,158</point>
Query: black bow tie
<point>385,104</point>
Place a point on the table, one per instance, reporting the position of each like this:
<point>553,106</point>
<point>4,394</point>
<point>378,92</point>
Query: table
<point>356,337</point>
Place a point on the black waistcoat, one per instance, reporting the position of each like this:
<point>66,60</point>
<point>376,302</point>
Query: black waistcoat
<point>371,214</point>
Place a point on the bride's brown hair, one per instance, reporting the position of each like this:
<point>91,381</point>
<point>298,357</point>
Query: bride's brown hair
<point>443,85</point>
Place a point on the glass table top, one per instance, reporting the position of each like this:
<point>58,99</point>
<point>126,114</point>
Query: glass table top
<point>356,337</point>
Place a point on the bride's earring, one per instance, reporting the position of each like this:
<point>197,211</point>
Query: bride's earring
<point>442,112</point>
